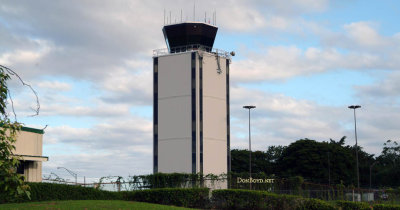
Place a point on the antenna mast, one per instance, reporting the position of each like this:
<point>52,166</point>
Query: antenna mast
<point>215,17</point>
<point>194,10</point>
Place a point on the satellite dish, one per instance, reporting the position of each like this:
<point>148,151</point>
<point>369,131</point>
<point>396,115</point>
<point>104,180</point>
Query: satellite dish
<point>233,53</point>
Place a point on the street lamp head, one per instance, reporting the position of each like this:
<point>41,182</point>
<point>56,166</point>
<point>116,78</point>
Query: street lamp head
<point>249,107</point>
<point>354,106</point>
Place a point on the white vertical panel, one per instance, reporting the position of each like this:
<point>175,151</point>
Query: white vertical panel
<point>214,115</point>
<point>174,113</point>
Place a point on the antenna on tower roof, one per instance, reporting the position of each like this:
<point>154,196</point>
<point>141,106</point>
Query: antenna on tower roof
<point>194,10</point>
<point>164,16</point>
<point>215,17</point>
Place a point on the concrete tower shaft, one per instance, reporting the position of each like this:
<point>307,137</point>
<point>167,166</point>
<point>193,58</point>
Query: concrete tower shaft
<point>191,102</point>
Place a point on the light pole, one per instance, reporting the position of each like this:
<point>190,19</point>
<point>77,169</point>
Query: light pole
<point>354,107</point>
<point>249,107</point>
<point>370,170</point>
<point>72,173</point>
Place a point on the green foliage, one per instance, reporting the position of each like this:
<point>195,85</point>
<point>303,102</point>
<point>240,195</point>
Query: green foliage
<point>315,204</point>
<point>246,199</point>
<point>3,91</point>
<point>170,180</point>
<point>387,169</point>
<point>350,205</point>
<point>295,183</point>
<point>53,192</point>
<point>340,190</point>
<point>261,161</point>
<point>162,180</point>
<point>12,185</point>
<point>189,197</point>
<point>386,207</point>
<point>317,161</point>
<point>328,162</point>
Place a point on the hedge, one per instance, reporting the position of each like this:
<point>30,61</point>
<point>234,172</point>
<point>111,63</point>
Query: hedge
<point>316,204</point>
<point>196,197</point>
<point>186,197</point>
<point>50,191</point>
<point>246,199</point>
<point>386,207</point>
<point>350,205</point>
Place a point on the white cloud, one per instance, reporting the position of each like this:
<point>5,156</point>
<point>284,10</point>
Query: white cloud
<point>280,120</point>
<point>363,34</point>
<point>55,85</point>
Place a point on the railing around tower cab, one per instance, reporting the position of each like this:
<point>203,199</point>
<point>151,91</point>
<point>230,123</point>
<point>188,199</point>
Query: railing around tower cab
<point>189,48</point>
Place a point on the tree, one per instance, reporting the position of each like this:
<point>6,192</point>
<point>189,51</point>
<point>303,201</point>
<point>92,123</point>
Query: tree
<point>12,184</point>
<point>387,169</point>
<point>264,162</point>
<point>324,162</point>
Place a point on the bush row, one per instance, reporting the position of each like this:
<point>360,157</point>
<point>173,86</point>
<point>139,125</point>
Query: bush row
<point>195,197</point>
<point>50,191</point>
<point>246,199</point>
<point>386,207</point>
<point>347,205</point>
<point>186,197</point>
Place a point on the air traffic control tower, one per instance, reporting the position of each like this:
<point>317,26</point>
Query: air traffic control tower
<point>191,102</point>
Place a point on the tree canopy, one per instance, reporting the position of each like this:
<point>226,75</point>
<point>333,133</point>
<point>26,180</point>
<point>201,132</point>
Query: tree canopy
<point>12,184</point>
<point>327,162</point>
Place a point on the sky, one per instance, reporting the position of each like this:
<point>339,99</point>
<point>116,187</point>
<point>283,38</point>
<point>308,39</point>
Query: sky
<point>301,62</point>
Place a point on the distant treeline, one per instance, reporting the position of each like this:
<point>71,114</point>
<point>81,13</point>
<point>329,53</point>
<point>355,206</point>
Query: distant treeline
<point>324,162</point>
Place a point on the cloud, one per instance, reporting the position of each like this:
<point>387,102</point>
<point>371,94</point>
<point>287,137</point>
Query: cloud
<point>363,34</point>
<point>122,147</point>
<point>96,165</point>
<point>111,136</point>
<point>293,7</point>
<point>281,62</point>
<point>280,120</point>
<point>55,85</point>
<point>124,86</point>
<point>359,47</point>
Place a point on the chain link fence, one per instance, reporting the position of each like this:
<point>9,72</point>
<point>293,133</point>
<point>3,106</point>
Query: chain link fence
<point>293,186</point>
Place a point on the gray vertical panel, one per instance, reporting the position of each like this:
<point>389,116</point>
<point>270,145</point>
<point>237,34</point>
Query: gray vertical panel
<point>228,117</point>
<point>201,111</point>
<point>155,115</point>
<point>193,73</point>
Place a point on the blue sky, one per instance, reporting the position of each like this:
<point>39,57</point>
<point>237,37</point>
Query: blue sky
<point>302,62</point>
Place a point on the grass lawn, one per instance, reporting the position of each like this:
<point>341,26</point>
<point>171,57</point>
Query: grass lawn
<point>86,204</point>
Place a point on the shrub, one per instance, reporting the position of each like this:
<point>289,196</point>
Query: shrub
<point>315,204</point>
<point>50,191</point>
<point>186,197</point>
<point>238,199</point>
<point>386,207</point>
<point>246,199</point>
<point>350,205</point>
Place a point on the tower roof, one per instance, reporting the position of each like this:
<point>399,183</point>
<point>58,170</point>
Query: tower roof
<point>189,33</point>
